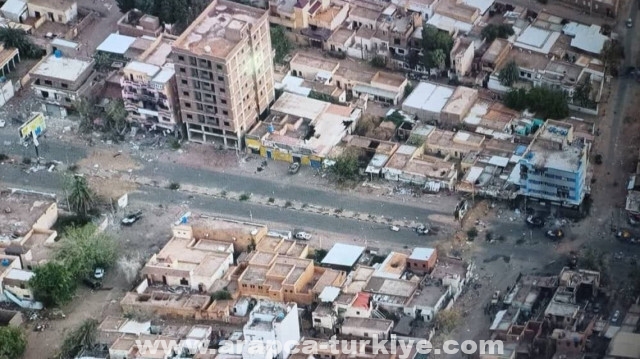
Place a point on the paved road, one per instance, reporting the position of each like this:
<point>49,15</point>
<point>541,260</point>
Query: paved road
<point>52,150</point>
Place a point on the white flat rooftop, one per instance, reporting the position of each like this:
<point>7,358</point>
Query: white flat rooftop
<point>421,254</point>
<point>446,23</point>
<point>63,68</point>
<point>15,7</point>
<point>427,96</point>
<point>20,274</point>
<point>149,70</point>
<point>537,39</point>
<point>482,5</point>
<point>343,255</point>
<point>167,72</point>
<point>116,44</point>
<point>586,38</point>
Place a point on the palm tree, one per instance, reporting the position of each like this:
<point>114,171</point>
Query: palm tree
<point>80,197</point>
<point>13,37</point>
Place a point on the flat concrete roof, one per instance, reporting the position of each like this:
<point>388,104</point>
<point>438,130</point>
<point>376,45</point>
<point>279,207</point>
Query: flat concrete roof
<point>116,44</point>
<point>427,96</point>
<point>63,68</point>
<point>343,255</point>
<point>211,33</point>
<point>422,253</point>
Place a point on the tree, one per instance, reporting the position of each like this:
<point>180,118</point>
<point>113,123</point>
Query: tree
<point>429,35</point>
<point>509,74</point>
<point>346,167</point>
<point>126,5</point>
<point>582,94</point>
<point>611,54</point>
<point>12,342</point>
<point>83,337</point>
<point>17,38</point>
<point>83,249</point>
<point>116,116</point>
<point>221,295</point>
<point>437,58</point>
<point>447,320</point>
<point>472,233</point>
<point>280,43</point>
<point>492,31</point>
<point>379,62</point>
<point>396,117</point>
<point>545,102</point>
<point>53,284</point>
<point>79,195</point>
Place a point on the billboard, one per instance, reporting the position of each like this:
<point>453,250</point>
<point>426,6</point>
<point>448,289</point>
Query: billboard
<point>36,125</point>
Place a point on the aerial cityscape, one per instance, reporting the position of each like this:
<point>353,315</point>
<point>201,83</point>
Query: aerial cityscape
<point>319,179</point>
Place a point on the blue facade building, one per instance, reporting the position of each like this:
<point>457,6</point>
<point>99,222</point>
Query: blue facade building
<point>554,168</point>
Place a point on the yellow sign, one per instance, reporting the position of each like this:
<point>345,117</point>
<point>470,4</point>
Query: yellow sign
<point>35,125</point>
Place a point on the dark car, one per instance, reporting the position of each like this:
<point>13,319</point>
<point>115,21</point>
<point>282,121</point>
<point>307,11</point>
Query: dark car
<point>555,234</point>
<point>534,221</point>
<point>93,283</point>
<point>131,218</point>
<point>625,235</point>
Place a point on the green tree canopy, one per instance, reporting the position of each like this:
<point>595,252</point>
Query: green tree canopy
<point>280,43</point>
<point>436,47</point>
<point>509,74</point>
<point>492,32</point>
<point>611,54</point>
<point>83,337</point>
<point>82,250</point>
<point>545,102</point>
<point>346,166</point>
<point>53,284</point>
<point>12,342</point>
<point>437,58</point>
<point>80,196</point>
<point>17,38</point>
<point>126,5</point>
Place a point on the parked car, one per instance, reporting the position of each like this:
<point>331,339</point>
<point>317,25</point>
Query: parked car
<point>294,168</point>
<point>2,123</point>
<point>555,234</point>
<point>98,273</point>
<point>615,316</point>
<point>629,23</point>
<point>93,283</point>
<point>535,221</point>
<point>395,228</point>
<point>422,230</point>
<point>303,235</point>
<point>624,235</point>
<point>131,218</point>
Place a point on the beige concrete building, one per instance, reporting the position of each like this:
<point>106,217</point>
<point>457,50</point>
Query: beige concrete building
<point>224,72</point>
<point>271,276</point>
<point>150,95</point>
<point>187,261</point>
<point>135,23</point>
<point>462,55</point>
<point>367,327</point>
<point>62,11</point>
<point>295,14</point>
<point>63,80</point>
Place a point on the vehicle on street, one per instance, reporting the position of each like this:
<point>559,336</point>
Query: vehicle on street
<point>615,316</point>
<point>2,123</point>
<point>422,230</point>
<point>625,235</point>
<point>629,23</point>
<point>303,235</point>
<point>395,228</point>
<point>98,273</point>
<point>131,218</point>
<point>596,308</point>
<point>93,283</point>
<point>496,297</point>
<point>294,168</point>
<point>555,234</point>
<point>535,221</point>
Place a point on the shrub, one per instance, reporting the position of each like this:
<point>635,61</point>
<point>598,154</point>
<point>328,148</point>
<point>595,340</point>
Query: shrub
<point>288,204</point>
<point>245,197</point>
<point>472,233</point>
<point>271,200</point>
<point>174,186</point>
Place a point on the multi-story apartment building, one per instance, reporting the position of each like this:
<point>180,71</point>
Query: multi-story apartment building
<point>270,323</point>
<point>224,72</point>
<point>149,94</point>
<point>61,80</point>
<point>554,167</point>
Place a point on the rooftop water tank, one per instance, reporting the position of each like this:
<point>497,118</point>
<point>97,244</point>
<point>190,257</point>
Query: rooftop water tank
<point>57,54</point>
<point>5,262</point>
<point>271,129</point>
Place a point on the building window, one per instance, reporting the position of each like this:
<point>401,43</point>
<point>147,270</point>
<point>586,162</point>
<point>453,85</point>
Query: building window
<point>185,82</point>
<point>64,86</point>
<point>47,82</point>
<point>225,112</point>
<point>244,285</point>
<point>185,93</point>
<point>199,106</point>
<point>222,90</point>
<point>181,58</point>
<point>220,78</point>
<point>183,70</point>
<point>187,104</point>
<point>226,123</point>
<point>189,116</point>
<point>219,67</point>
<point>192,60</point>
<point>223,101</point>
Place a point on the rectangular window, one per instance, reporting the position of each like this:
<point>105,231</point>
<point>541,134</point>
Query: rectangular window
<point>64,86</point>
<point>47,82</point>
<point>181,58</point>
<point>185,93</point>
<point>223,101</point>
<point>226,123</point>
<point>187,104</point>
<point>225,112</point>
<point>185,82</point>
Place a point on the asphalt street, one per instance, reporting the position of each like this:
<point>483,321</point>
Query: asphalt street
<point>68,153</point>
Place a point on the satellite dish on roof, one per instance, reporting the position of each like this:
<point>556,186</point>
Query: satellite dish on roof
<point>207,49</point>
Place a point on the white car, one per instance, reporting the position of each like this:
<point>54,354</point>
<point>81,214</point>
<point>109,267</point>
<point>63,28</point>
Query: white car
<point>2,123</point>
<point>616,316</point>
<point>629,23</point>
<point>99,273</point>
<point>395,228</point>
<point>303,235</point>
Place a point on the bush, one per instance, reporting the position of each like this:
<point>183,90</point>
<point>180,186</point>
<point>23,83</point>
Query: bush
<point>271,200</point>
<point>221,295</point>
<point>3,157</point>
<point>379,62</point>
<point>174,186</point>
<point>26,160</point>
<point>175,144</point>
<point>598,159</point>
<point>245,197</point>
<point>288,204</point>
<point>488,236</point>
<point>472,233</point>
